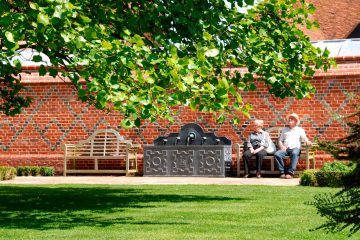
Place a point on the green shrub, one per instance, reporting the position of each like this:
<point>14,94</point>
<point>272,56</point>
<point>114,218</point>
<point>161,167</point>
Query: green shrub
<point>7,173</point>
<point>308,178</point>
<point>19,171</point>
<point>337,166</point>
<point>332,174</point>
<point>35,171</point>
<point>47,171</point>
<point>25,171</point>
<point>330,178</point>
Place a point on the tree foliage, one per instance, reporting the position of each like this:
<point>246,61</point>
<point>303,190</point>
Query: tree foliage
<point>143,57</point>
<point>342,210</point>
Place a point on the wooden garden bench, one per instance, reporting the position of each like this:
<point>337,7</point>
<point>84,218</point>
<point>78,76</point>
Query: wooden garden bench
<point>307,153</point>
<point>105,144</point>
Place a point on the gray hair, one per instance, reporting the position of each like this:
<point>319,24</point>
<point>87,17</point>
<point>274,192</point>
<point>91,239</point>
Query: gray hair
<point>259,123</point>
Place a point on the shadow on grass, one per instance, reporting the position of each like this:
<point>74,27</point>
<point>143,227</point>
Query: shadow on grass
<point>62,207</point>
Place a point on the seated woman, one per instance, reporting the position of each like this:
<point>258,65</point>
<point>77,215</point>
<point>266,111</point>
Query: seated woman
<point>257,143</point>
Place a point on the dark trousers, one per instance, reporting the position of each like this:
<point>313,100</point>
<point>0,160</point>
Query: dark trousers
<point>259,158</point>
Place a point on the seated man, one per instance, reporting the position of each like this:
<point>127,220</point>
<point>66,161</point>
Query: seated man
<point>290,145</point>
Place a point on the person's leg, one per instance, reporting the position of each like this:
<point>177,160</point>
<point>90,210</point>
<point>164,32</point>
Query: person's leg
<point>247,157</point>
<point>279,157</point>
<point>259,159</point>
<point>294,158</point>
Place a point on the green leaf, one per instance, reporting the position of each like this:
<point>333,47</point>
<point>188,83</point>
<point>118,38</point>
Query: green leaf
<point>37,58</point>
<point>42,70</point>
<point>9,36</point>
<point>18,65</point>
<point>107,45</point>
<point>137,122</point>
<point>220,119</point>
<point>85,19</point>
<point>66,36</point>
<point>127,31</point>
<point>80,42</point>
<point>204,72</point>
<point>193,105</point>
<point>236,120</point>
<point>212,52</point>
<point>249,2</point>
<point>43,19</point>
<point>256,59</point>
<point>126,123</point>
<point>221,92</point>
<point>207,36</point>
<point>34,6</point>
<point>53,72</point>
<point>145,113</point>
<point>188,79</point>
<point>150,80</point>
<point>101,99</point>
<point>311,8</point>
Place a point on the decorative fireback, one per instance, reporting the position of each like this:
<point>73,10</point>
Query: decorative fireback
<point>192,134</point>
<point>191,152</point>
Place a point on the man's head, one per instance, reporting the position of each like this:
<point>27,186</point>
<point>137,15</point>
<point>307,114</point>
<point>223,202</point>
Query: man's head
<point>293,120</point>
<point>258,124</point>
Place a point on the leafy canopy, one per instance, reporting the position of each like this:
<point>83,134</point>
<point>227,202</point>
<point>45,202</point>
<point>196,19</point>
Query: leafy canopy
<point>144,57</point>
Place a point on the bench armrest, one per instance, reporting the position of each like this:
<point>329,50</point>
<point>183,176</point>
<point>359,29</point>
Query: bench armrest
<point>239,150</point>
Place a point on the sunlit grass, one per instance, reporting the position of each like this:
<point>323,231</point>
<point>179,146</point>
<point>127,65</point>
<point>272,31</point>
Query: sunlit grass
<point>160,212</point>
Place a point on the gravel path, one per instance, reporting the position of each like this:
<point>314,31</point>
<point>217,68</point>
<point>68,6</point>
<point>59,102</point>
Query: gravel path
<point>151,180</point>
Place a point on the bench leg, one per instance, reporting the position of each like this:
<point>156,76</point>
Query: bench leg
<point>238,166</point>
<point>96,165</point>
<point>65,166</point>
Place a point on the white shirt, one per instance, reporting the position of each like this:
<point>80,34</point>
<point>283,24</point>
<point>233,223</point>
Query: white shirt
<point>291,137</point>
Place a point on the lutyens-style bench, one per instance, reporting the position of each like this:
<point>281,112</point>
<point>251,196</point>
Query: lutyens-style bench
<point>307,153</point>
<point>105,144</point>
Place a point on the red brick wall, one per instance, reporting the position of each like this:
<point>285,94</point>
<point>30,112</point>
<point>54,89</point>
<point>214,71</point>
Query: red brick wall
<point>55,117</point>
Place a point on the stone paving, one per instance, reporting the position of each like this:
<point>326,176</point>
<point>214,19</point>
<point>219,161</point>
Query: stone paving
<point>152,180</point>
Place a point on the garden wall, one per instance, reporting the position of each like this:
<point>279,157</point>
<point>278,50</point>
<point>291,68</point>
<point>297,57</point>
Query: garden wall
<point>56,116</point>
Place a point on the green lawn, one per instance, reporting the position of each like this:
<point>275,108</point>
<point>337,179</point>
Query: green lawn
<point>160,212</point>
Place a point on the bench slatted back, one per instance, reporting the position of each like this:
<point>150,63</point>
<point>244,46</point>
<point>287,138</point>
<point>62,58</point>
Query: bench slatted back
<point>274,133</point>
<point>105,142</point>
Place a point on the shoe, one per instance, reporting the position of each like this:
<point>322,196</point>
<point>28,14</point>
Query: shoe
<point>289,176</point>
<point>282,176</point>
<point>258,175</point>
<point>246,175</point>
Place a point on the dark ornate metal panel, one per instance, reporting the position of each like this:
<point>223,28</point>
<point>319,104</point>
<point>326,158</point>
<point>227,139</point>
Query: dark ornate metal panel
<point>182,162</point>
<point>156,163</point>
<point>195,160</point>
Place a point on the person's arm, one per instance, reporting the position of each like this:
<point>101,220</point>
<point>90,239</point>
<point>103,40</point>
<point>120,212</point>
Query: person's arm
<point>304,137</point>
<point>281,139</point>
<point>249,145</point>
<point>264,143</point>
